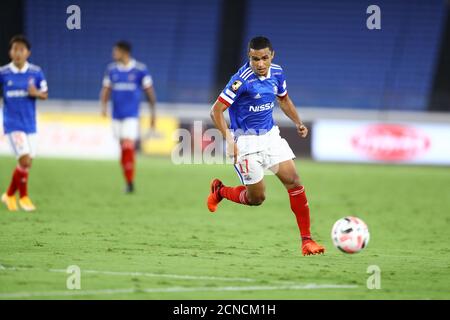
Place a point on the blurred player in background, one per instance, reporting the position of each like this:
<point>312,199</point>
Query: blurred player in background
<point>254,141</point>
<point>22,83</point>
<point>124,81</point>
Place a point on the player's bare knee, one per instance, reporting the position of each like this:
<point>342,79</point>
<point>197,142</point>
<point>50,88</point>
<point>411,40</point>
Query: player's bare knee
<point>292,182</point>
<point>257,199</point>
<point>25,161</point>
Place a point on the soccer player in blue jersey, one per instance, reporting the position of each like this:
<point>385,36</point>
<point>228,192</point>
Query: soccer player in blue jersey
<point>124,81</point>
<point>253,140</point>
<point>22,83</point>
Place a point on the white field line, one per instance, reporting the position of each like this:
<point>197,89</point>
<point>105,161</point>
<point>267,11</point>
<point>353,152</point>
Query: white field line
<point>69,293</point>
<point>176,276</point>
<point>276,285</point>
<point>160,275</point>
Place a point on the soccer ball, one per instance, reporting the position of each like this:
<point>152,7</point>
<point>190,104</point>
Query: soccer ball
<point>350,235</point>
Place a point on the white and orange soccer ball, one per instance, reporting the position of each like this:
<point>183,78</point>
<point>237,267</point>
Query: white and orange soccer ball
<point>350,235</point>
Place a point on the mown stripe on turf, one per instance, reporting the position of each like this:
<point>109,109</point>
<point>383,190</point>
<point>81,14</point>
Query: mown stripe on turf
<point>309,286</point>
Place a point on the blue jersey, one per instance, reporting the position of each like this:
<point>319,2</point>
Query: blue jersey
<point>251,99</point>
<point>126,83</point>
<point>19,112</point>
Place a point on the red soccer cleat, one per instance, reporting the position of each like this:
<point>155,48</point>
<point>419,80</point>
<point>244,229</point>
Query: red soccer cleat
<point>214,197</point>
<point>310,247</point>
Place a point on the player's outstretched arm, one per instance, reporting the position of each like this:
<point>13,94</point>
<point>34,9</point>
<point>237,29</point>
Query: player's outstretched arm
<point>105,93</point>
<point>219,121</point>
<point>151,97</point>
<point>289,109</point>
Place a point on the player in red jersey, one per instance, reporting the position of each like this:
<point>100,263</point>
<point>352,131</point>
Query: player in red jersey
<point>253,140</point>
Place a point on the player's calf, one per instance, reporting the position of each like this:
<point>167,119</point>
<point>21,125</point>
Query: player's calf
<point>128,161</point>
<point>19,182</point>
<point>22,177</point>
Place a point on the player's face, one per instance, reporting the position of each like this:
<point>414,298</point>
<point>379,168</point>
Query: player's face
<point>119,54</point>
<point>19,53</point>
<point>260,60</point>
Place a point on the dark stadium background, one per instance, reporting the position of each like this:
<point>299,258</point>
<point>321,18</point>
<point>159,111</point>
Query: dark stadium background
<point>331,60</point>
<point>192,47</point>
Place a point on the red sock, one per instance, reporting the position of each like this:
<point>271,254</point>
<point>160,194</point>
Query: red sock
<point>19,181</point>
<point>300,207</point>
<point>13,185</point>
<point>22,182</point>
<point>236,194</point>
<point>127,161</point>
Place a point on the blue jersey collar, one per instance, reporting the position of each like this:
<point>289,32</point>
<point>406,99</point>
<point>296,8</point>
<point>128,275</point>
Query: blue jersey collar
<point>14,69</point>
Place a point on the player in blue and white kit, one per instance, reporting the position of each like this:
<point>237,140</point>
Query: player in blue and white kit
<point>254,141</point>
<point>22,83</point>
<point>124,81</point>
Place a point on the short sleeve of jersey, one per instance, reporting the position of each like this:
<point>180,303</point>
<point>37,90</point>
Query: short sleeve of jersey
<point>107,78</point>
<point>146,79</point>
<point>232,91</point>
<point>282,86</point>
<point>42,82</point>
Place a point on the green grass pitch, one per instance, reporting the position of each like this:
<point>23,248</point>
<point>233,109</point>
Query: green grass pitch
<point>162,243</point>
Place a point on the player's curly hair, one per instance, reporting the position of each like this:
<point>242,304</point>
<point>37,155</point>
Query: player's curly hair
<point>260,42</point>
<point>19,38</point>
